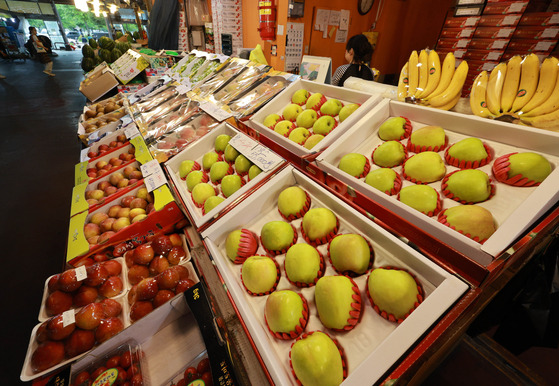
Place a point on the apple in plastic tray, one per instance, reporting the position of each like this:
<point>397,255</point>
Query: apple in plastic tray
<point>103,223</point>
<point>112,183</point>
<point>64,291</point>
<point>155,274</point>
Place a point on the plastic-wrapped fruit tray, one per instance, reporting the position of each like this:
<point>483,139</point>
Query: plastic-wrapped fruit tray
<point>195,152</point>
<point>375,343</point>
<point>282,100</point>
<point>513,208</point>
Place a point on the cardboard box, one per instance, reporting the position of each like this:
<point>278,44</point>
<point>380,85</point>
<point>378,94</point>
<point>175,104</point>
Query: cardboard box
<point>489,44</point>
<point>540,18</point>
<point>499,20</point>
<point>475,67</point>
<point>544,46</point>
<point>514,209</point>
<point>484,55</point>
<point>374,345</point>
<point>504,7</point>
<point>509,54</point>
<point>131,88</point>
<point>536,32</point>
<point>461,22</point>
<point>457,33</point>
<point>98,83</point>
<point>452,44</point>
<point>129,65</point>
<point>493,33</point>
<point>458,54</point>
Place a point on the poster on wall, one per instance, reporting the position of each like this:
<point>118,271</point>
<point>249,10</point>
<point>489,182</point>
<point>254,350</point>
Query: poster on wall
<point>316,68</point>
<point>294,46</point>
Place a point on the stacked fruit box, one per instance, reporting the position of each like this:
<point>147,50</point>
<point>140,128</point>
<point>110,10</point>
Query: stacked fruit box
<point>537,33</point>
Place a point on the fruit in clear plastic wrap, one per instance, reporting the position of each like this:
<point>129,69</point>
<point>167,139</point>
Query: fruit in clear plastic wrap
<point>350,252</point>
<point>140,309</point>
<point>183,285</point>
<point>271,120</point>
<point>161,244</point>
<point>316,360</point>
<point>98,371</point>
<point>47,355</point>
<point>108,328</point>
<point>96,275</point>
<point>175,255</point>
<point>168,279</point>
<point>58,302</point>
<point>136,273</point>
<point>347,110</point>
<point>182,271</point>
<point>56,329</point>
<point>324,125</point>
<point>306,119</point>
<point>82,378</point>
<point>299,135</point>
<point>291,112</point>
<point>111,307</point>
<point>144,254</point>
<point>147,288</point>
<point>125,360</point>
<point>52,284</point>
<point>283,311</point>
<point>113,267</point>
<point>331,107</point>
<point>90,316</point>
<point>259,274</point>
<point>175,239</point>
<point>112,287</point>
<point>85,295</point>
<point>313,140</point>
<point>162,297</point>
<point>230,184</point>
<point>79,342</point>
<point>68,281</point>
<point>158,265</point>
<point>41,334</point>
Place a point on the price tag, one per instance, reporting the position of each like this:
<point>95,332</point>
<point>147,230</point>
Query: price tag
<point>493,56</point>
<point>68,318</point>
<point>488,66</point>
<point>83,154</point>
<point>554,19</point>
<point>81,273</point>
<point>498,44</point>
<point>131,131</point>
<point>504,32</point>
<point>550,33</point>
<point>151,167</point>
<point>462,43</point>
<point>470,21</point>
<point>216,113</point>
<point>517,7</point>
<point>183,89</point>
<point>543,46</point>
<point>466,32</point>
<point>510,20</point>
<point>155,181</point>
<point>258,154</point>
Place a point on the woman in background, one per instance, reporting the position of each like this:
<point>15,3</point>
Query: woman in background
<point>358,53</point>
<point>41,52</point>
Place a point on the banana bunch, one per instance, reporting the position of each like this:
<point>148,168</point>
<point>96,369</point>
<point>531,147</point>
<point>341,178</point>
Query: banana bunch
<point>423,79</point>
<point>519,88</point>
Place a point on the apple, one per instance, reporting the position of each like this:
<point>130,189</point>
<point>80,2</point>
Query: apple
<point>138,203</point>
<point>47,355</point>
<point>424,167</point>
<point>389,154</point>
<point>139,218</point>
<point>242,164</point>
<point>420,197</point>
<point>432,137</point>
<point>121,223</point>
<point>158,265</point>
<point>313,140</point>
<point>113,211</point>
<point>123,212</point>
<point>253,172</point>
<point>318,224</point>
<point>100,186</point>
<point>300,97</point>
<point>176,239</point>
<point>277,236</point>
<point>186,167</point>
<point>467,186</point>
<point>123,183</point>
<point>230,153</point>
<point>56,330</point>
<point>85,295</point>
<point>382,179</point>
<point>334,297</point>
<point>90,316</point>
<point>111,307</point>
<point>143,193</point>
<point>316,360</point>
<point>201,192</point>
<point>144,254</point>
<point>108,328</point>
<point>110,190</point>
<point>146,289</point>
<point>284,127</point>
<point>315,101</point>
<point>307,119</point>
<point>125,201</point>
<point>58,302</point>
<point>284,312</point>
<point>113,267</point>
<point>292,201</point>
<point>105,236</point>
<point>106,225</point>
<point>168,279</point>
<point>221,142</point>
<point>468,149</point>
<point>353,164</point>
<point>112,287</point>
<point>324,125</point>
<point>331,107</point>
<point>91,230</point>
<point>240,244</point>
<point>68,281</point>
<point>532,166</point>
<point>302,264</point>
<point>392,129</point>
<point>98,217</point>
<point>259,274</point>
<point>299,135</point>
<point>100,164</point>
<point>230,184</point>
<point>136,212</point>
<point>162,297</point>
<point>194,178</point>
<point>136,174</point>
<point>291,112</point>
<point>219,170</point>
<point>393,291</point>
<point>271,120</point>
<point>127,170</point>
<point>474,221</point>
<point>350,253</point>
<point>140,309</point>
<point>347,110</point>
<point>209,159</point>
<point>183,285</point>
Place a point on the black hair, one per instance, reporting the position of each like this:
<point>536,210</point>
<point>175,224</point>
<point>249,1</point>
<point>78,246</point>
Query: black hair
<point>358,71</point>
<point>362,49</point>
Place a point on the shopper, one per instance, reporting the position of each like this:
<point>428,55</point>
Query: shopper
<point>42,54</point>
<point>358,52</point>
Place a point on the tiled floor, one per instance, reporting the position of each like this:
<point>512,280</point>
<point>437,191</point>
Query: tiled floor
<point>38,151</point>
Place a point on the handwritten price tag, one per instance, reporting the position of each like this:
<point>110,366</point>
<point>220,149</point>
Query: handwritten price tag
<point>151,167</point>
<point>216,113</point>
<point>258,154</point>
<point>155,181</point>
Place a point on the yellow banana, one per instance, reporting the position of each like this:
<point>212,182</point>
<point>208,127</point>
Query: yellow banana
<point>477,96</point>
<point>434,66</point>
<point>447,73</point>
<point>528,81</point>
<point>423,73</point>
<point>548,78</point>
<point>452,103</point>
<point>545,121</point>
<point>403,83</point>
<point>495,87</point>
<point>454,88</point>
<point>510,85</point>
<point>549,105</point>
<point>413,73</point>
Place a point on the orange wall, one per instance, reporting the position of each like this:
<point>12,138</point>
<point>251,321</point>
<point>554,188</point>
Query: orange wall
<point>403,26</point>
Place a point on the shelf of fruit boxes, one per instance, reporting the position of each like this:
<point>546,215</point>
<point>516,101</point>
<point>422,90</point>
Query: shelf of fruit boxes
<point>389,341</point>
<point>290,150</point>
<point>516,209</point>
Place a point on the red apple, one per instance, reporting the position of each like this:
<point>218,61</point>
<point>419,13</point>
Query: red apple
<point>137,273</point>
<point>102,172</point>
<point>158,265</point>
<point>108,167</point>
<point>90,316</point>
<point>56,329</point>
<point>110,190</point>
<point>52,284</point>
<point>100,257</point>
<point>91,230</point>
<point>136,174</point>
<point>147,288</point>
<point>92,174</point>
<point>138,203</point>
<point>79,342</point>
<point>93,240</point>
<point>121,138</point>
<point>111,287</point>
<point>123,183</point>
<point>100,165</point>
<point>129,258</point>
<point>128,157</point>
<point>103,184</point>
<point>41,334</point>
<point>140,309</point>
<point>125,202</point>
<point>137,380</point>
<point>58,302</point>
<point>131,150</point>
<point>68,281</point>
<point>103,147</point>
<point>183,285</point>
<point>96,275</point>
<point>85,295</point>
<point>132,295</point>
<point>113,267</point>
<point>92,154</point>
<point>47,355</point>
<point>115,177</point>
<point>105,236</point>
<point>107,224</point>
<point>175,255</point>
<point>168,279</point>
<point>127,170</point>
<point>161,244</point>
<point>143,254</point>
<point>111,307</point>
<point>132,181</point>
<point>175,239</point>
<point>182,271</point>
<point>108,328</point>
<point>162,297</point>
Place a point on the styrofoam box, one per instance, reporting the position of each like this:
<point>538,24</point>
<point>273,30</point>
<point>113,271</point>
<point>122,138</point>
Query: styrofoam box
<point>276,106</point>
<point>125,287</point>
<point>375,344</point>
<point>514,208</point>
<point>27,373</point>
<point>195,151</point>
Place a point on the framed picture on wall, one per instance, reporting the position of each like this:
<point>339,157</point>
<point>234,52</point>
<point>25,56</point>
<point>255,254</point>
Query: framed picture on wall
<point>316,68</point>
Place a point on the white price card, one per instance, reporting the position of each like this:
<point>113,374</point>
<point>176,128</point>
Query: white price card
<point>216,113</point>
<point>83,154</point>
<point>504,32</point>
<point>131,130</point>
<point>549,33</point>
<point>470,21</point>
<point>183,89</point>
<point>462,43</point>
<point>493,56</point>
<point>554,19</point>
<point>258,154</point>
<point>81,273</point>
<point>68,318</point>
<point>499,44</point>
<point>517,7</point>
<point>155,181</point>
<point>510,20</point>
<point>544,46</point>
<point>466,32</point>
<point>151,167</point>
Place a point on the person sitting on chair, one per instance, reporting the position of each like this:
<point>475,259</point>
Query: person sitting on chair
<point>358,53</point>
<point>42,54</point>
